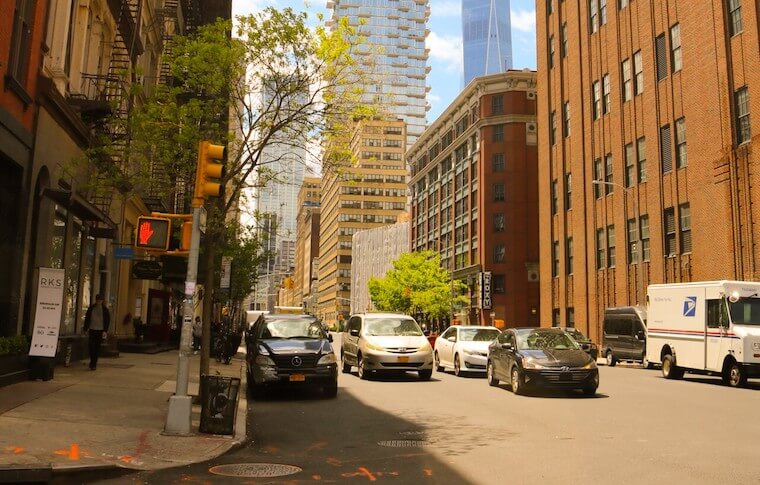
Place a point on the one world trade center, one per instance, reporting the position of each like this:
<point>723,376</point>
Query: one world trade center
<point>487,38</point>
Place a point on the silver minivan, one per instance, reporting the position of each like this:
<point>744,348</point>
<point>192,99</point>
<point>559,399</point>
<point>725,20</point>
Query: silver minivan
<point>385,342</point>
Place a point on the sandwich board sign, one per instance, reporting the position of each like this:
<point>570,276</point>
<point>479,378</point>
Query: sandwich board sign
<point>47,317</point>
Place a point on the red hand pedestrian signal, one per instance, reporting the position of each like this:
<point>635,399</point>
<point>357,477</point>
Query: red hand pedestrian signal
<point>153,233</point>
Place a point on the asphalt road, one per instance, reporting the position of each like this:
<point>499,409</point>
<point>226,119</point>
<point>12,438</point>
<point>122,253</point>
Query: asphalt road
<point>639,428</point>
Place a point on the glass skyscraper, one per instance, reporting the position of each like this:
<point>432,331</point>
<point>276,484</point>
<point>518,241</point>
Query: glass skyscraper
<point>487,37</point>
<point>395,32</point>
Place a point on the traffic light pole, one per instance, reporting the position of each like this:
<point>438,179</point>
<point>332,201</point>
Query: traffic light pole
<point>179,418</point>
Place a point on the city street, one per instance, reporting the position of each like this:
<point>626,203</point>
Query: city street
<point>638,429</point>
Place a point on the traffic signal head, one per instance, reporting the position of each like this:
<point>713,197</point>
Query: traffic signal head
<point>187,234</point>
<point>153,233</point>
<point>209,172</point>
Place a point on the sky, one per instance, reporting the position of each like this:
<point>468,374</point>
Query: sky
<point>444,41</point>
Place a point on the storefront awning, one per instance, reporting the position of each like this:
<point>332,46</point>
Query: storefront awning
<point>79,206</point>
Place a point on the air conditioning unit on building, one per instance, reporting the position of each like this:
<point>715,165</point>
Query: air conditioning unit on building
<point>533,275</point>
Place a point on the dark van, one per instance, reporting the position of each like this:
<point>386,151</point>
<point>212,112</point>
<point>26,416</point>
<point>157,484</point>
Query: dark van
<point>624,335</point>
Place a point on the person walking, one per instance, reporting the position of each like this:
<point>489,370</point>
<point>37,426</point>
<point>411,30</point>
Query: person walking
<point>197,333</point>
<point>96,322</point>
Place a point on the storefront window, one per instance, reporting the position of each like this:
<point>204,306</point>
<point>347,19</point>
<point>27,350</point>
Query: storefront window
<point>87,275</point>
<point>59,241</point>
<point>68,326</point>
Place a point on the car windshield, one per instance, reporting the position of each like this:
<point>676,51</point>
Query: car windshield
<point>578,336</point>
<point>746,311</point>
<point>478,334</point>
<point>387,327</point>
<point>305,327</point>
<point>545,340</point>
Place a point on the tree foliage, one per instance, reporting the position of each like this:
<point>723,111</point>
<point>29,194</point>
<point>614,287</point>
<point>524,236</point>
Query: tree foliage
<point>418,284</point>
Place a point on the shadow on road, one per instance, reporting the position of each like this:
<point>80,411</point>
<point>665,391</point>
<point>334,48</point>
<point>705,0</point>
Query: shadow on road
<point>555,393</point>
<point>717,381</point>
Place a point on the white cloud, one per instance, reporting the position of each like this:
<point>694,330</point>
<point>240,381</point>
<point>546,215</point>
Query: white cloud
<point>446,8</point>
<point>446,49</point>
<point>523,20</point>
<point>433,98</point>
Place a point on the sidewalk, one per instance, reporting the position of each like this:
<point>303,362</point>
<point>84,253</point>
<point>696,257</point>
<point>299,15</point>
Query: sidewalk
<point>112,417</point>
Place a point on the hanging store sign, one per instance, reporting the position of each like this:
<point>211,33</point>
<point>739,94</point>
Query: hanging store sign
<point>147,270</point>
<point>485,290</point>
<point>226,272</point>
<point>47,318</point>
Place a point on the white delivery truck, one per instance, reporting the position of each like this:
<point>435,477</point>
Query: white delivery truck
<point>708,327</point>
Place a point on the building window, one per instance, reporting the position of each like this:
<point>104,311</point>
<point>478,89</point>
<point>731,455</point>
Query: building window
<point>662,57</point>
<point>611,246</point>
<point>555,317</point>
<point>593,7</point>
<point>551,51</point>
<point>630,167</point>
<point>675,47</point>
<point>21,38</point>
<point>498,192</point>
<point>554,196</point>
<point>498,133</point>
<point>497,105</point>
<point>632,256</point>
<point>641,150</point>
<point>555,259</point>
<point>566,118</point>
<point>684,214</point>
<point>627,88</point>
<point>608,174</point>
<point>549,7</point>
<point>638,71</point>
<point>601,253</point>
<point>743,131</point>
<point>498,253</point>
<point>669,220</point>
<point>570,317</point>
<point>569,256</point>
<point>498,162</point>
<point>606,94</point>
<point>665,151</point>
<point>568,191</point>
<point>563,41</point>
<point>597,100</point>
<point>623,4</point>
<point>735,14</point>
<point>498,283</point>
<point>681,160</point>
<point>552,127</point>
<point>602,12</point>
<point>644,232</point>
<point>598,176</point>
<point>498,222</point>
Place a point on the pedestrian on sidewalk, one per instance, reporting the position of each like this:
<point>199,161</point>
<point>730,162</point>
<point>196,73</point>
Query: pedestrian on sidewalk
<point>197,333</point>
<point>96,322</point>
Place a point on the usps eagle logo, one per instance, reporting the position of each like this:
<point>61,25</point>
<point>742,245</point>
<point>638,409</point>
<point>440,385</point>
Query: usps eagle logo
<point>690,306</point>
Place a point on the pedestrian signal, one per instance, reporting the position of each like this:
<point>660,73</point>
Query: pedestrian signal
<point>153,233</point>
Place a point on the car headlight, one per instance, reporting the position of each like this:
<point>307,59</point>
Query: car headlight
<point>264,361</point>
<point>591,365</point>
<point>426,348</point>
<point>327,359</point>
<point>263,350</point>
<point>372,346</point>
<point>531,364</point>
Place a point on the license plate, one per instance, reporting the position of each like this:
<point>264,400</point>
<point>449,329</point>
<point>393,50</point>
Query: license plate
<point>297,378</point>
<point>403,359</point>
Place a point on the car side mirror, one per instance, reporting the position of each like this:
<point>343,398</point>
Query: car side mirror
<point>353,332</point>
<point>451,338</point>
<point>640,335</point>
<point>329,337</point>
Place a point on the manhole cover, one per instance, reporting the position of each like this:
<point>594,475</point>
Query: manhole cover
<point>404,443</point>
<point>254,470</point>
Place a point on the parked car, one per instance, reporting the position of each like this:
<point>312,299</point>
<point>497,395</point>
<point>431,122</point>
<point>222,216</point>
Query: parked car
<point>290,349</point>
<point>464,348</point>
<point>385,341</point>
<point>624,335</point>
<point>586,344</point>
<point>530,358</point>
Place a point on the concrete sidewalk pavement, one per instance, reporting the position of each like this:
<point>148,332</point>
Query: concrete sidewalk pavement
<point>112,417</point>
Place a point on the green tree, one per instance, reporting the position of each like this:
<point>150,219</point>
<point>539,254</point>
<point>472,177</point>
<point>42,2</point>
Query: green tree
<point>418,284</point>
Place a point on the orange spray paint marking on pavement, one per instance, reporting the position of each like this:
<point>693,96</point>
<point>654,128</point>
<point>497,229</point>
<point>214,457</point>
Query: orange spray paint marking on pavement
<point>334,461</point>
<point>74,452</point>
<point>125,458</point>
<point>317,446</point>
<point>428,472</point>
<point>14,449</point>
<point>316,477</point>
<point>361,472</point>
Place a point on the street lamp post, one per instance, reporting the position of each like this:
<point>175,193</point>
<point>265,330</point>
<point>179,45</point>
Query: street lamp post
<point>639,250</point>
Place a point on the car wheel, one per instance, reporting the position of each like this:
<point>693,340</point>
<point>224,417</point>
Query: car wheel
<point>735,375</point>
<point>517,381</point>
<point>611,359</point>
<point>425,374</point>
<point>330,390</point>
<point>669,368</point>
<point>363,372</point>
<point>345,366</point>
<point>491,376</point>
<point>457,366</point>
<point>438,366</point>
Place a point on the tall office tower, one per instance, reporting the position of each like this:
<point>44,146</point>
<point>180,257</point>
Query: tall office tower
<point>307,237</point>
<point>646,115</point>
<point>395,32</point>
<point>369,194</point>
<point>487,38</point>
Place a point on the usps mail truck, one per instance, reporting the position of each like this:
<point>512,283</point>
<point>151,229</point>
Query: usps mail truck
<point>705,327</point>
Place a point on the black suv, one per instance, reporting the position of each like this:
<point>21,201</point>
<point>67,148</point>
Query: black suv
<point>289,349</point>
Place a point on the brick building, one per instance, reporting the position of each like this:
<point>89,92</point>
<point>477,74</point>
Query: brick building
<point>475,196</point>
<point>654,99</point>
<point>307,237</point>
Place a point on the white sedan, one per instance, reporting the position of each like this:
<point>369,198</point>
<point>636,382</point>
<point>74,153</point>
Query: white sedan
<point>464,348</point>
